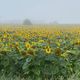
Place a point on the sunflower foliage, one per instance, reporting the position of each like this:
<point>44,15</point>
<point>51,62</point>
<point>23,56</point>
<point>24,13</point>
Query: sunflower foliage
<point>39,67</point>
<point>40,54</point>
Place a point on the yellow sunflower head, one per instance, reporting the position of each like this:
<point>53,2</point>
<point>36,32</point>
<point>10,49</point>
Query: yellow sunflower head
<point>17,43</point>
<point>27,45</point>
<point>48,50</point>
<point>5,35</point>
<point>41,41</point>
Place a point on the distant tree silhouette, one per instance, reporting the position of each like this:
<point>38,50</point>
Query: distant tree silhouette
<point>27,22</point>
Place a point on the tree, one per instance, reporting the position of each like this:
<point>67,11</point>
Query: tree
<point>27,22</point>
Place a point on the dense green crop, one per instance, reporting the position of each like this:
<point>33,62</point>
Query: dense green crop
<point>39,53</point>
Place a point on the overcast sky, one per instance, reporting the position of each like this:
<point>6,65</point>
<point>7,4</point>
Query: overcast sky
<point>63,11</point>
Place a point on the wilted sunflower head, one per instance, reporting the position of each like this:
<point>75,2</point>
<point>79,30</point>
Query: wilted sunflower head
<point>58,51</point>
<point>77,42</point>
<point>30,52</point>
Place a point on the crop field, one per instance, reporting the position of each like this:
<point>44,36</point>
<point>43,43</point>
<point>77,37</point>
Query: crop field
<point>45,52</point>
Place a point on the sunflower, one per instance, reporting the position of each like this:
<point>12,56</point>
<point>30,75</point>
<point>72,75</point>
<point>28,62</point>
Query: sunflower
<point>58,51</point>
<point>27,45</point>
<point>48,50</point>
<point>77,42</point>
<point>17,43</point>
<point>5,35</point>
<point>41,41</point>
<point>30,52</point>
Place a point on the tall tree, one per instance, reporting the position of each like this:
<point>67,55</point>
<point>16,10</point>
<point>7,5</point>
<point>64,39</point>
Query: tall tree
<point>27,22</point>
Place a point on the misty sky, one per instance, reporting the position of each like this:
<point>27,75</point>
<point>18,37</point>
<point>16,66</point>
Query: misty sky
<point>63,11</point>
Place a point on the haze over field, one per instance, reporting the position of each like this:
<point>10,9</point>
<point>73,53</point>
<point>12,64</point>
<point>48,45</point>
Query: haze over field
<point>40,11</point>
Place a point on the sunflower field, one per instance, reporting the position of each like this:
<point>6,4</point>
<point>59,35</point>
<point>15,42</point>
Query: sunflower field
<point>40,52</point>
